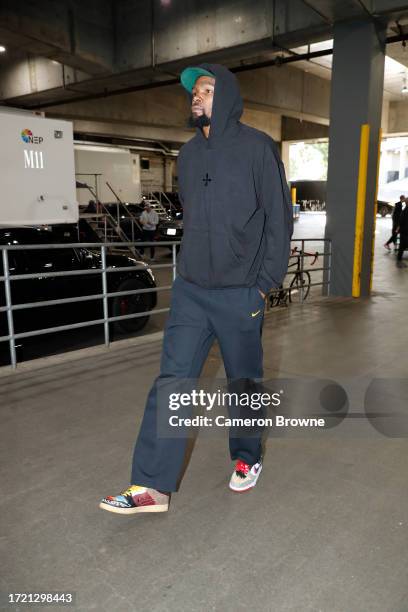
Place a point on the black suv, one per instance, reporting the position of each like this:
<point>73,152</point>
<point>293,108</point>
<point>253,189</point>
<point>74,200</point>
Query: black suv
<point>40,288</point>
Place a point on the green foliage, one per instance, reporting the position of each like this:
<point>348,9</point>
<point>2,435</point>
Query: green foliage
<point>308,161</point>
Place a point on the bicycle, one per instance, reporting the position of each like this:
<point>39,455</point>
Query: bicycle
<point>301,280</point>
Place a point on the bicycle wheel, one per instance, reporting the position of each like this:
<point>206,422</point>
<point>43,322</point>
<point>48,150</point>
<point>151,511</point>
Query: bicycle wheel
<point>300,280</point>
<point>278,299</point>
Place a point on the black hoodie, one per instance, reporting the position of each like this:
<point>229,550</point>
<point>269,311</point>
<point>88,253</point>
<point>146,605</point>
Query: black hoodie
<point>238,222</point>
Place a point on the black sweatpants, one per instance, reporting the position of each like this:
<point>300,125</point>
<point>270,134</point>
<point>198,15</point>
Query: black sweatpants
<point>394,234</point>
<point>197,316</point>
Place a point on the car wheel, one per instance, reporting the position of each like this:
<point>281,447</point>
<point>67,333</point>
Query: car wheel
<point>131,304</point>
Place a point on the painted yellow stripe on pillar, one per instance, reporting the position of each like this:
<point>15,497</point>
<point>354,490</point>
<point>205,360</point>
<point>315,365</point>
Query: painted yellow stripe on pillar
<point>375,209</point>
<point>360,211</point>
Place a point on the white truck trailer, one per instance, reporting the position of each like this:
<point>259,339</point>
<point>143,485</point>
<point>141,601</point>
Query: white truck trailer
<point>98,166</point>
<point>37,173</point>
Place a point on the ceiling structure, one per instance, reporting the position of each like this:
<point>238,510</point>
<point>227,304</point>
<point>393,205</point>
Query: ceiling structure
<point>70,50</point>
<point>395,73</point>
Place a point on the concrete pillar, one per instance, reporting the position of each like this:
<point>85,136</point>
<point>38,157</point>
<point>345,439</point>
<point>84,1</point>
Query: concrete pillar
<point>285,150</point>
<point>385,116</point>
<point>356,99</point>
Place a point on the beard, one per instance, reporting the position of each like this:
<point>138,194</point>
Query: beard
<point>199,121</point>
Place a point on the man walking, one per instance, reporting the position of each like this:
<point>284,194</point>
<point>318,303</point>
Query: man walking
<point>235,249</point>
<point>403,232</point>
<point>396,213</point>
<point>149,220</point>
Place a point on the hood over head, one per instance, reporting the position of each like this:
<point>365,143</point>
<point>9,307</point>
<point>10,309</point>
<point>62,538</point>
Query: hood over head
<point>227,103</point>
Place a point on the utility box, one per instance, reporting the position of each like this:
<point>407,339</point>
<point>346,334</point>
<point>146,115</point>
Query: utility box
<point>37,172</point>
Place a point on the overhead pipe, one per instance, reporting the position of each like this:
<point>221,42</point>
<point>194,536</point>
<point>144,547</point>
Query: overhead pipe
<point>162,148</point>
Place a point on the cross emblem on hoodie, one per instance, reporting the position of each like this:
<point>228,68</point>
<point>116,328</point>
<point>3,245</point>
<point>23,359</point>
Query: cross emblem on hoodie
<point>206,180</point>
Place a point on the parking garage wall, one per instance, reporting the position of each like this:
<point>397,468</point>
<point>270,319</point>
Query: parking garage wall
<point>157,172</point>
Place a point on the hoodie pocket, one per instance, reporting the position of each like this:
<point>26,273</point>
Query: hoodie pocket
<point>226,266</point>
<point>231,248</point>
<point>194,257</point>
<point>244,237</point>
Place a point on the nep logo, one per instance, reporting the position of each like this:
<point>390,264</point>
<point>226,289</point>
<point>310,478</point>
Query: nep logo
<point>28,137</point>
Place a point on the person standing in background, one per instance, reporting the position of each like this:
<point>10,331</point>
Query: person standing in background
<point>402,228</point>
<point>149,220</point>
<point>395,222</point>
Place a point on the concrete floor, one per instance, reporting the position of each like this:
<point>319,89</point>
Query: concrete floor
<point>326,529</point>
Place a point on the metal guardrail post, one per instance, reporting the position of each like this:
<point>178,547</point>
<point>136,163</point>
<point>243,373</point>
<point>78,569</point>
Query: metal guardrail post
<point>105,297</point>
<point>10,321</point>
<point>330,268</point>
<point>174,253</point>
<point>96,176</point>
<point>302,255</point>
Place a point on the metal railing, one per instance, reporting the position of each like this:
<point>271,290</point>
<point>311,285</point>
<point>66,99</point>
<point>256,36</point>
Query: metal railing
<point>8,278</point>
<point>162,195</point>
<point>104,270</point>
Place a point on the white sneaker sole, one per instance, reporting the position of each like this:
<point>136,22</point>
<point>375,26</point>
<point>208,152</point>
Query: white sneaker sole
<point>138,510</point>
<point>249,486</point>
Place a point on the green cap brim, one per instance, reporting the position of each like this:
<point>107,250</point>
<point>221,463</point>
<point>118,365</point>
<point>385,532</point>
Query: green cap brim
<point>189,76</point>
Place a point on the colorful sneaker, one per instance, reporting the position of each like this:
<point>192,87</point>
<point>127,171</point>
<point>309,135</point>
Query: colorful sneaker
<point>136,499</point>
<point>244,476</point>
